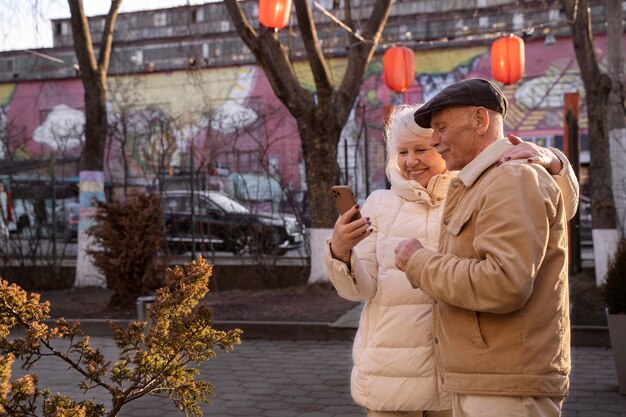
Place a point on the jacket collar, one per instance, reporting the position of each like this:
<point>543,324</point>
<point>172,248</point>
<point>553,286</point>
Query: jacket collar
<point>489,156</point>
<point>413,191</point>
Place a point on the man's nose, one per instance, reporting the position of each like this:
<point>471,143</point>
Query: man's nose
<point>434,140</point>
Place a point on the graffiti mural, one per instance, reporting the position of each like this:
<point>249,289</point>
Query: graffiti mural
<point>226,114</point>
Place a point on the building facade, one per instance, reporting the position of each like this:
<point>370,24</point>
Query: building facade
<point>185,93</point>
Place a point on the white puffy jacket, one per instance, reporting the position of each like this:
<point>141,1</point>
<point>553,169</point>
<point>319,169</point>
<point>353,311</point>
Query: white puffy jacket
<point>394,366</point>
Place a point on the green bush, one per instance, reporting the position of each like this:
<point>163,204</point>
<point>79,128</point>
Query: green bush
<point>615,284</point>
<point>129,237</point>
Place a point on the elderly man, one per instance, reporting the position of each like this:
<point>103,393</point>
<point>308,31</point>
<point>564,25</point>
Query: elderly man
<point>499,277</point>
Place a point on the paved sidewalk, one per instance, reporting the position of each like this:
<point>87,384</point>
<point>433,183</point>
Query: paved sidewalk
<point>280,378</point>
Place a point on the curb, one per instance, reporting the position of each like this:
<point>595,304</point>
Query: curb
<point>593,336</point>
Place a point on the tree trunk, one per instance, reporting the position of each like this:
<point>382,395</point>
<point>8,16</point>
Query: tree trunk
<point>319,146</point>
<point>95,126</point>
<point>93,74</point>
<point>616,116</point>
<point>597,89</point>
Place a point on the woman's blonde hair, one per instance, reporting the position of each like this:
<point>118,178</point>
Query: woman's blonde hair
<point>401,127</point>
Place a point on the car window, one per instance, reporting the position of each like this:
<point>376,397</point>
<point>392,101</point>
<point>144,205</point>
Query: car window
<point>227,204</point>
<point>201,205</point>
<point>175,204</point>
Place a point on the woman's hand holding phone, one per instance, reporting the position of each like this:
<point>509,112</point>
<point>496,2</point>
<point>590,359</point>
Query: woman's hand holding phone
<point>350,228</point>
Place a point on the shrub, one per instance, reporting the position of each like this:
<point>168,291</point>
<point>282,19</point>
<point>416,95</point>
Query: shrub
<point>152,361</point>
<point>129,236</point>
<point>615,284</point>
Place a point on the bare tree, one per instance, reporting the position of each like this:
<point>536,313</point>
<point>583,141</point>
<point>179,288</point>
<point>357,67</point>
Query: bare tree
<point>93,73</point>
<point>598,87</point>
<point>158,142</point>
<point>13,138</point>
<point>320,116</point>
<point>122,124</point>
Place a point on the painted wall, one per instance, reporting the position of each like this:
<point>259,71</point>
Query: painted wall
<point>231,113</point>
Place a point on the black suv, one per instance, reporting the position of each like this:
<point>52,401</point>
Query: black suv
<point>222,223</point>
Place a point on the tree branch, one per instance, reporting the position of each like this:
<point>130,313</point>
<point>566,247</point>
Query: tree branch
<point>271,55</point>
<point>319,68</point>
<point>358,58</point>
<point>583,40</point>
<point>78,368</point>
<point>347,18</point>
<point>107,36</point>
<point>82,38</point>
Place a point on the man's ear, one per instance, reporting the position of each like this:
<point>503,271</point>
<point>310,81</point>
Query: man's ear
<point>481,120</point>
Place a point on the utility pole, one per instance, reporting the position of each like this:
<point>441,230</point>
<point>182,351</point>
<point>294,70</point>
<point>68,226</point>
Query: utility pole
<point>571,146</point>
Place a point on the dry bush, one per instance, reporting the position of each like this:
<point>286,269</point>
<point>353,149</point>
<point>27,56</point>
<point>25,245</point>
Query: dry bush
<point>129,237</point>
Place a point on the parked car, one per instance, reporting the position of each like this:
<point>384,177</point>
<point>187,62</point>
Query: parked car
<point>222,223</point>
<point>28,224</point>
<point>68,217</point>
<point>23,215</point>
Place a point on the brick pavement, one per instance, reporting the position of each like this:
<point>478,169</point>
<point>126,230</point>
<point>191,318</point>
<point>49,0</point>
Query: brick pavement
<point>282,378</point>
<point>593,389</point>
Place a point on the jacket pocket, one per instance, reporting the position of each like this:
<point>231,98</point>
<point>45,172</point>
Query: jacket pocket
<point>475,332</point>
<point>456,223</point>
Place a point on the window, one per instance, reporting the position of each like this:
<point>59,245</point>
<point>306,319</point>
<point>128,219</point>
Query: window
<point>160,19</point>
<point>175,204</point>
<point>137,57</point>
<point>62,28</point>
<point>518,21</point>
<point>554,15</point>
<point>197,15</point>
<point>7,65</point>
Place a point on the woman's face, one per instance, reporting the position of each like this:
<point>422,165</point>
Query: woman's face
<point>418,161</point>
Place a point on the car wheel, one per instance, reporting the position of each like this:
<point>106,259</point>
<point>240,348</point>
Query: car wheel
<point>269,243</point>
<point>23,222</point>
<point>239,243</point>
<point>67,235</point>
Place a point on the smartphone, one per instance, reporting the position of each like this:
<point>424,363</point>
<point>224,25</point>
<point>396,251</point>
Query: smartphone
<point>344,200</point>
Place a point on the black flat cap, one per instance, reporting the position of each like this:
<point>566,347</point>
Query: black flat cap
<point>470,92</point>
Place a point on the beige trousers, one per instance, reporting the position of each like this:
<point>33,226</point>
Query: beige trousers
<point>500,406</point>
<point>444,413</point>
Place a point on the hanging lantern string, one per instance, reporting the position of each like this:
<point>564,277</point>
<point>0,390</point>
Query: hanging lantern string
<point>339,22</point>
<point>486,35</point>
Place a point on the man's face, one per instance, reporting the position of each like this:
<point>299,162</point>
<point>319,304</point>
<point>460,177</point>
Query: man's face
<point>455,136</point>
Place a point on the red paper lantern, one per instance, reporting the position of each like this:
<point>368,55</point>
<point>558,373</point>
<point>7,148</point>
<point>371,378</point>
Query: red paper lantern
<point>398,68</point>
<point>508,59</point>
<point>274,13</point>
